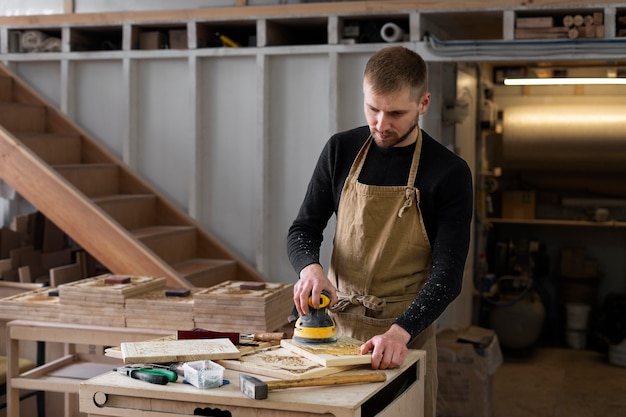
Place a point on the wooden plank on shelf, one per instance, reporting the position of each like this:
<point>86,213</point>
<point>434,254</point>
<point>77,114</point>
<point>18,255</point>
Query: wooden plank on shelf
<point>534,22</point>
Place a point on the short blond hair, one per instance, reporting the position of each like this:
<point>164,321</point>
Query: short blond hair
<point>394,68</point>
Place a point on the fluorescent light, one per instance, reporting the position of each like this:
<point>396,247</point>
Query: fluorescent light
<point>564,81</point>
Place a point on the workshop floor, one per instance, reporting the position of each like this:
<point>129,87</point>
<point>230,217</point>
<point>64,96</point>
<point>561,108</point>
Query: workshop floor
<point>559,382</point>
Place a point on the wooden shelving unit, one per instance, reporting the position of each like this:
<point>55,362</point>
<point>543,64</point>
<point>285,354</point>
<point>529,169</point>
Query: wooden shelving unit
<point>297,76</point>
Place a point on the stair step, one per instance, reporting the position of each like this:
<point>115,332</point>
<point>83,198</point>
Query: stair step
<point>173,244</point>
<point>25,118</point>
<point>168,243</point>
<point>93,180</point>
<point>54,149</point>
<point>6,88</point>
<point>131,211</point>
<point>207,272</point>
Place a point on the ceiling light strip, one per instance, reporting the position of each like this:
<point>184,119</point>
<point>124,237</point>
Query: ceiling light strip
<point>565,81</point>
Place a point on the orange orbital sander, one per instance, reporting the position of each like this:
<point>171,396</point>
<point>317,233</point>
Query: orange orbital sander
<point>317,326</point>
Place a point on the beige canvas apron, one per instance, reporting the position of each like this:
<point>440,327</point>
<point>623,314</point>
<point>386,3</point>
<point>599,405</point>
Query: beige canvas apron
<point>381,258</point>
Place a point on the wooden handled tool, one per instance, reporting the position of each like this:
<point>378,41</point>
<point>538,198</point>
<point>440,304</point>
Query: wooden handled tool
<point>258,390</point>
<point>265,337</point>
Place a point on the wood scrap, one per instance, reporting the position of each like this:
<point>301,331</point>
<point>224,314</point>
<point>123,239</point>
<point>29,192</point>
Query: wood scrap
<point>278,362</point>
<point>65,274</point>
<point>346,351</point>
<point>169,351</point>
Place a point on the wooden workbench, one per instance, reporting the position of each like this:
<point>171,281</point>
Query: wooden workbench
<point>113,394</point>
<point>49,376</point>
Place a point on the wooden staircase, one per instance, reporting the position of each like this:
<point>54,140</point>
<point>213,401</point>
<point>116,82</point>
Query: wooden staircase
<point>99,202</point>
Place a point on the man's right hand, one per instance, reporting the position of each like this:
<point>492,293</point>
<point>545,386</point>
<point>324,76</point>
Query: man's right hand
<point>312,281</point>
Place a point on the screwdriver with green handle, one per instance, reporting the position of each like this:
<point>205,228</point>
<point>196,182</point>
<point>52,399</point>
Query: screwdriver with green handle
<point>153,376</point>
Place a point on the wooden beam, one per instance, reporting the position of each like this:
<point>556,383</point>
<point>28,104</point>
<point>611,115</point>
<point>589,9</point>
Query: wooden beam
<point>288,10</point>
<point>68,6</point>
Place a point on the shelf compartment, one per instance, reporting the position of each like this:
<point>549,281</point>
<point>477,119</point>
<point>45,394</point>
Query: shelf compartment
<point>219,34</point>
<point>447,26</point>
<point>373,29</point>
<point>107,38</point>
<point>35,40</point>
<point>559,24</point>
<point>297,31</point>
<point>620,23</point>
<point>151,37</point>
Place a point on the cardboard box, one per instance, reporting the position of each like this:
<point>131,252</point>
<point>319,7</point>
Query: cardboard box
<point>467,362</point>
<point>178,38</point>
<point>518,204</point>
<point>152,40</point>
<point>575,263</point>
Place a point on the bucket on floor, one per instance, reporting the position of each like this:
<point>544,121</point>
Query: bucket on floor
<point>617,353</point>
<point>576,339</point>
<point>577,315</point>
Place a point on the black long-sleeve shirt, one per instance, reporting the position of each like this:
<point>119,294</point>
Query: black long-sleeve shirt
<point>446,199</point>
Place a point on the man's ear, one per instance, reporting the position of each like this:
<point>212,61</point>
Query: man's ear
<point>424,103</point>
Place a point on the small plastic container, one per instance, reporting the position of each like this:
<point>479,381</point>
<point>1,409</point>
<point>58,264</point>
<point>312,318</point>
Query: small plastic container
<point>204,374</point>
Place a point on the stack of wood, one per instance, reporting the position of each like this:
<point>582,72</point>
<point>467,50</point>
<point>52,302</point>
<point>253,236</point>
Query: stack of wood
<point>36,304</point>
<point>101,300</point>
<point>243,307</point>
<point>161,309</point>
<point>34,250</point>
<point>569,27</point>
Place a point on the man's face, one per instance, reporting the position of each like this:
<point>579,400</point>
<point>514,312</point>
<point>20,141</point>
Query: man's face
<point>393,117</point>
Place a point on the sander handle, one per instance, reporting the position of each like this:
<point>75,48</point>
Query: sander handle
<point>327,380</point>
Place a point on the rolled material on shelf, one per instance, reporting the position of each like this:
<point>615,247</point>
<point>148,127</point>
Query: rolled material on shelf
<point>564,137</point>
<point>32,40</point>
<point>390,32</point>
<point>37,41</point>
<point>51,44</point>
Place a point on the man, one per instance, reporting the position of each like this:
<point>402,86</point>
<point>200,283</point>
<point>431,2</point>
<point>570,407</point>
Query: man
<point>403,204</point>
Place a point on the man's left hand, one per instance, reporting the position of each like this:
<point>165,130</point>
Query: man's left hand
<point>388,349</point>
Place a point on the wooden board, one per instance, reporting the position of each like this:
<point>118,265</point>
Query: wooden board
<point>178,350</point>
<point>278,362</point>
<point>343,352</point>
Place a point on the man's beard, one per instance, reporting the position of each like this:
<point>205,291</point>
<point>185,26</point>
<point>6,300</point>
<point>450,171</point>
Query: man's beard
<point>399,139</point>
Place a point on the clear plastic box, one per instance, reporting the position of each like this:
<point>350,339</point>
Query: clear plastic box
<point>204,374</point>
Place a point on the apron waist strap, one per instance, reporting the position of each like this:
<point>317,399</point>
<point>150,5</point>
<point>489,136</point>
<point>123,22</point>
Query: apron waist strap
<point>371,302</point>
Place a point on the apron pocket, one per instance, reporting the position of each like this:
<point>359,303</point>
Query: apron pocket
<point>360,327</point>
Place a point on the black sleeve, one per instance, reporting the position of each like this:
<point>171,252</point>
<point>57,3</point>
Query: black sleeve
<point>450,218</point>
<point>321,199</point>
<point>306,233</point>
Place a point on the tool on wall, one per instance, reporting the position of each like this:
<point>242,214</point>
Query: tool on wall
<point>258,390</point>
<point>317,326</point>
